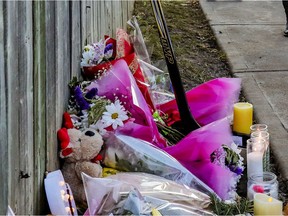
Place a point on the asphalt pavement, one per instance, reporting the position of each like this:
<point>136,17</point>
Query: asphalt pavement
<point>251,34</point>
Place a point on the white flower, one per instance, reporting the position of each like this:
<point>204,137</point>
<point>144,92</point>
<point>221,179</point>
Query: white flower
<point>100,127</point>
<point>87,56</point>
<point>235,148</point>
<point>110,156</point>
<point>115,115</point>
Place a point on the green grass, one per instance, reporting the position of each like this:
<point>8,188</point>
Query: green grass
<point>199,57</point>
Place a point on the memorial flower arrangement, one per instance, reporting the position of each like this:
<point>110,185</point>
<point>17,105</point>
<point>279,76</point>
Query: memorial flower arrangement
<point>96,53</point>
<point>114,98</point>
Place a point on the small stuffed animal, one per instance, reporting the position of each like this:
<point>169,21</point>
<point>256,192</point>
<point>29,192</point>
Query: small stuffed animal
<point>80,149</point>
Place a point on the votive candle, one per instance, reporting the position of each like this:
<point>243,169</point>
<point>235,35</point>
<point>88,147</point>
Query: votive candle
<point>266,205</point>
<point>266,158</point>
<point>242,117</point>
<point>254,163</point>
<point>255,151</point>
<point>258,127</point>
<point>266,183</point>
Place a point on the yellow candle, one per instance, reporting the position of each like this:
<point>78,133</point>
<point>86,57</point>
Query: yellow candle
<point>243,117</point>
<point>266,205</point>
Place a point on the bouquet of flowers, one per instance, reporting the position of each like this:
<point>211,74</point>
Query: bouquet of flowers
<point>115,100</point>
<point>118,105</point>
<point>129,154</point>
<point>211,155</point>
<point>98,57</point>
<point>140,193</point>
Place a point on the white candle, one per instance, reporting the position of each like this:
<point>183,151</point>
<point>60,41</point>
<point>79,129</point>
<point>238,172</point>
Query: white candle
<point>266,205</point>
<point>254,163</point>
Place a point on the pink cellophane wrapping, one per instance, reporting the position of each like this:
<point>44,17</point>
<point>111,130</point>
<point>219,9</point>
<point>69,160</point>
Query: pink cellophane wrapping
<point>118,81</point>
<point>194,151</point>
<point>209,101</point>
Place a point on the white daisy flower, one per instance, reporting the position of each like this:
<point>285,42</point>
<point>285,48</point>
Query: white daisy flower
<point>115,115</point>
<point>87,56</point>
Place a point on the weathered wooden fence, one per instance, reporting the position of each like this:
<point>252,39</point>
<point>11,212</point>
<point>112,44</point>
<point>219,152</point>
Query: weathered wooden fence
<point>40,50</point>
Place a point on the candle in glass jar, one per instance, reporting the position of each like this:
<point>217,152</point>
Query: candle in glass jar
<point>258,127</point>
<point>266,158</point>
<point>242,117</point>
<point>255,151</point>
<point>266,183</point>
<point>254,163</point>
<point>266,205</point>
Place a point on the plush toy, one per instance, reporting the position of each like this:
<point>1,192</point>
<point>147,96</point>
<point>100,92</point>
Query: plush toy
<point>80,150</point>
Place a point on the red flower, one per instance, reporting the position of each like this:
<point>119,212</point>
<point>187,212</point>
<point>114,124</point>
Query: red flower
<point>258,188</point>
<point>173,117</point>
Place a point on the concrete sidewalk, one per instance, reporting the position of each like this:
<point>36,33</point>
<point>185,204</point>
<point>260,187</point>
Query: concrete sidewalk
<point>251,34</point>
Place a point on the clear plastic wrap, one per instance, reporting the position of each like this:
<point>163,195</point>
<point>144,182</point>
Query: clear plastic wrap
<point>140,193</point>
<point>157,80</point>
<point>129,154</point>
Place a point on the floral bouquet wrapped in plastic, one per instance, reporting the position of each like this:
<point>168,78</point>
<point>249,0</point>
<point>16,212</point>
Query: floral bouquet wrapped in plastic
<point>114,99</point>
<point>98,57</point>
<point>121,108</point>
<point>114,103</point>
<point>142,194</point>
<point>211,155</point>
<point>129,154</point>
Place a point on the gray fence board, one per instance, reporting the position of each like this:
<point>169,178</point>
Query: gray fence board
<point>62,58</point>
<point>76,47</point>
<point>25,121</point>
<point>117,20</point>
<point>3,121</point>
<point>13,104</point>
<point>40,50</point>
<point>51,126</point>
<point>39,87</point>
<point>84,39</point>
<point>108,14</point>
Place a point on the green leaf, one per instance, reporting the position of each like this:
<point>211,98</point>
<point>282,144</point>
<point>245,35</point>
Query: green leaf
<point>241,206</point>
<point>96,112</point>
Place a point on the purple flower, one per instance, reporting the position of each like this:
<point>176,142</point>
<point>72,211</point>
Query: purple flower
<point>99,52</point>
<point>218,156</point>
<point>108,47</point>
<point>108,52</point>
<point>91,93</point>
<point>82,103</point>
<point>235,169</point>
